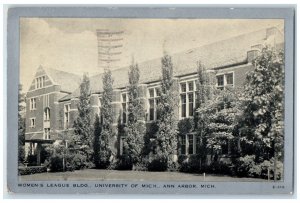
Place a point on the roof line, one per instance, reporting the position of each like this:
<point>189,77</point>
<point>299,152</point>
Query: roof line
<point>49,76</point>
<point>184,51</point>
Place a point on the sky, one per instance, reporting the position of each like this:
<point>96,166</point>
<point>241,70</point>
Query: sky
<point>70,44</point>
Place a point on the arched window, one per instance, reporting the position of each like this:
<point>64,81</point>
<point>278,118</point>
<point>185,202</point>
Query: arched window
<point>47,114</point>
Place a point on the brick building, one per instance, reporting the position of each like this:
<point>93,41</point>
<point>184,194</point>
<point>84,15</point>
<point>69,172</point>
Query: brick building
<point>51,102</point>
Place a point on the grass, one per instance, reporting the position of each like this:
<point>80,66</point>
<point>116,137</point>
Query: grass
<point>96,174</point>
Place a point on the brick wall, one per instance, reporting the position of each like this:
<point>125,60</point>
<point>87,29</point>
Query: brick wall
<point>240,73</point>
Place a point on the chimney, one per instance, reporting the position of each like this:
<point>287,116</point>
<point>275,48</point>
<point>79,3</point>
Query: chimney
<point>270,32</point>
<point>251,55</point>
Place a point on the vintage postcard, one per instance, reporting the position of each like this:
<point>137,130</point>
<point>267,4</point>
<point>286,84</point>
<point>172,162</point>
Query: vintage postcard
<point>161,104</point>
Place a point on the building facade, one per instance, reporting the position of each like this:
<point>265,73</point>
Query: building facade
<point>51,102</point>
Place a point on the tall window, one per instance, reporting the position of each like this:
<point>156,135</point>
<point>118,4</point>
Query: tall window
<point>187,98</point>
<point>188,144</point>
<point>32,104</point>
<point>153,95</point>
<point>198,144</point>
<point>32,122</point>
<point>47,114</point>
<point>224,80</point>
<point>67,115</point>
<point>46,133</point>
<point>46,102</point>
<point>40,82</point>
<point>124,107</point>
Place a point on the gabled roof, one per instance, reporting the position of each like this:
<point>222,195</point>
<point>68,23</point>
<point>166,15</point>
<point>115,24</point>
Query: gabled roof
<point>68,81</point>
<point>218,54</point>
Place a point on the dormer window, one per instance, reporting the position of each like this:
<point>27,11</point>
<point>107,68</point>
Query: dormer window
<point>39,82</point>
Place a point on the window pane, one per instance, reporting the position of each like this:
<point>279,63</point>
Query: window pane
<point>183,105</point>
<point>151,111</point>
<point>183,99</point>
<point>124,117</point>
<point>151,102</point>
<point>151,92</point>
<point>229,79</point>
<point>124,97</point>
<point>191,104</point>
<point>157,109</point>
<point>183,87</point>
<point>191,109</point>
<point>191,97</point>
<point>191,86</point>
<point>220,80</point>
<point>191,144</point>
<point>198,144</point>
<point>158,93</point>
<point>124,112</point>
<point>40,82</point>
<point>183,145</point>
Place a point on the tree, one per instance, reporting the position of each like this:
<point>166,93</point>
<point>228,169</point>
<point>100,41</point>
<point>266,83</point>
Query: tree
<point>203,85</point>
<point>204,94</point>
<point>220,114</point>
<point>83,137</point>
<point>167,121</point>
<point>261,126</point>
<point>96,142</point>
<point>135,130</point>
<point>59,156</point>
<point>21,125</point>
<point>106,119</point>
<point>215,117</point>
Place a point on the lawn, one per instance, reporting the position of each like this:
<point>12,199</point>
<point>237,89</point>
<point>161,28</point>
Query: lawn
<point>96,174</point>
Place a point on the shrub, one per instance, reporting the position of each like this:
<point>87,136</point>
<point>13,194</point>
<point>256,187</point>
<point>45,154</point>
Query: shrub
<point>32,160</point>
<point>194,163</point>
<point>261,170</point>
<point>159,163</point>
<point>182,158</point>
<point>174,166</point>
<point>124,163</point>
<point>221,167</point>
<point>184,166</point>
<point>80,162</point>
<point>143,166</point>
<point>190,164</point>
<point>244,164</point>
<point>31,170</point>
<point>56,164</point>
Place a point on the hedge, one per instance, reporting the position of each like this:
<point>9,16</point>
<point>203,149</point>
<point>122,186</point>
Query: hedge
<point>32,170</point>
